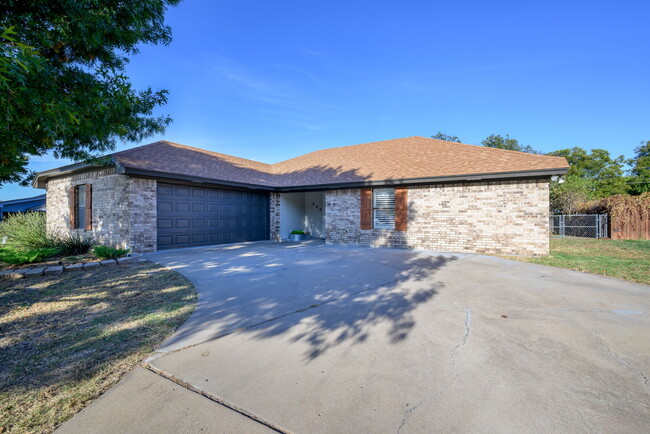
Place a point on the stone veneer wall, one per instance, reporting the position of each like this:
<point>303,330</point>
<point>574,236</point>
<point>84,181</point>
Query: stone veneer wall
<point>123,208</point>
<point>504,217</point>
<point>274,211</point>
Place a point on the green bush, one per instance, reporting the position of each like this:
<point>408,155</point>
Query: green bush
<point>298,232</point>
<point>19,257</point>
<point>73,244</point>
<point>26,231</point>
<point>105,252</point>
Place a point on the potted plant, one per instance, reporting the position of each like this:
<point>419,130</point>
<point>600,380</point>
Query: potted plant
<point>298,236</point>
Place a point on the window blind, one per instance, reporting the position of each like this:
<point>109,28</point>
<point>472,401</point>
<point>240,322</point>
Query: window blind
<point>384,208</point>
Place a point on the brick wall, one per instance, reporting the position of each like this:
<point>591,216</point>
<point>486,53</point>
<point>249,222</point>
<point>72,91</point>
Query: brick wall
<point>274,211</point>
<point>123,208</point>
<point>144,213</point>
<point>504,217</point>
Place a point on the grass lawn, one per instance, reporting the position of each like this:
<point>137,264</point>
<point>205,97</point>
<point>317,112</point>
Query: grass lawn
<point>66,339</point>
<point>624,259</point>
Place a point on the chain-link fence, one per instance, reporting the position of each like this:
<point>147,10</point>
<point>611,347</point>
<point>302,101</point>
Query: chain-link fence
<point>579,225</point>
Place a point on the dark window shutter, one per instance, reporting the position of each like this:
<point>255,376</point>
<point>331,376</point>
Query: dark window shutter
<point>73,207</point>
<point>366,208</point>
<point>89,207</point>
<point>401,208</point>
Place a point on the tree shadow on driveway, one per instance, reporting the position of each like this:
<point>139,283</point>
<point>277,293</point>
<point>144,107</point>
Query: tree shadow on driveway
<point>343,292</point>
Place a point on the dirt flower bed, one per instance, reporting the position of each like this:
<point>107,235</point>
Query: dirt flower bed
<point>64,340</point>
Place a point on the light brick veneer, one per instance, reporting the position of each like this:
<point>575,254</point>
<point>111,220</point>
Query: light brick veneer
<point>274,211</point>
<point>504,217</point>
<point>123,208</point>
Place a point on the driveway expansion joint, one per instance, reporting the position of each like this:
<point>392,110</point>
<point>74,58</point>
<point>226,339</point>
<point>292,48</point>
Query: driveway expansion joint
<point>214,398</point>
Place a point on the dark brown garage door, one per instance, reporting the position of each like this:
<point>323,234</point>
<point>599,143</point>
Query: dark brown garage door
<point>196,216</point>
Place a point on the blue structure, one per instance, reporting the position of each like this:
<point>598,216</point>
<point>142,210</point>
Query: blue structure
<point>36,203</point>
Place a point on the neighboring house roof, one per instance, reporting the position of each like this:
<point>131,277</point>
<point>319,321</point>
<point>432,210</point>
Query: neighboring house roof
<point>36,203</point>
<point>411,159</point>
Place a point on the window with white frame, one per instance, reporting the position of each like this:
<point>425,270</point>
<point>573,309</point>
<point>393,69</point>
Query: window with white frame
<point>383,208</point>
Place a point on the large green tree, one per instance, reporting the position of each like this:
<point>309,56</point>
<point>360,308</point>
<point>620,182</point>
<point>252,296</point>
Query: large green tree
<point>591,175</point>
<point>640,169</point>
<point>63,87</point>
<point>498,141</point>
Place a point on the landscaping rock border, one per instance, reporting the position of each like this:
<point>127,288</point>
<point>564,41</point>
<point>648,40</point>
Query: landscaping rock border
<point>58,269</point>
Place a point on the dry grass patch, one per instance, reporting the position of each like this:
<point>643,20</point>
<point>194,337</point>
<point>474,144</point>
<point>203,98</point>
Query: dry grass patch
<point>624,259</point>
<point>64,340</point>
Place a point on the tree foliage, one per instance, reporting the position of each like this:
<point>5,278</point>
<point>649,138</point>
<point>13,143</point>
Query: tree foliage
<point>500,142</point>
<point>640,169</point>
<point>602,175</point>
<point>446,137</point>
<point>62,84</point>
<point>592,175</point>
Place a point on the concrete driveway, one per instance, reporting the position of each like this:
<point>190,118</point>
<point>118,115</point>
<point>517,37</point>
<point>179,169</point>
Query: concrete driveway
<point>315,338</point>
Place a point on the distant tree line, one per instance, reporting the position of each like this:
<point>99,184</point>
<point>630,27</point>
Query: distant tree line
<point>593,174</point>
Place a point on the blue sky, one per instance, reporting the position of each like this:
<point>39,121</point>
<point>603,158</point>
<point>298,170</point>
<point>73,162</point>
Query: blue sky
<point>271,80</point>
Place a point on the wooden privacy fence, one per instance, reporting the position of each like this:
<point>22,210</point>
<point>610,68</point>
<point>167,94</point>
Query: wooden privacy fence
<point>629,227</point>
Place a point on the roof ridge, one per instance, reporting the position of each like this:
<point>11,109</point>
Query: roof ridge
<point>489,147</point>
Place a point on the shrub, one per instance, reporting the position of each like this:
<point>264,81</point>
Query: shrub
<point>298,232</point>
<point>18,257</point>
<point>73,244</point>
<point>26,231</point>
<point>105,252</point>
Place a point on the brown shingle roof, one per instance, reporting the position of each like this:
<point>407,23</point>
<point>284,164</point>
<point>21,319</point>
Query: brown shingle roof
<point>171,157</point>
<point>407,158</point>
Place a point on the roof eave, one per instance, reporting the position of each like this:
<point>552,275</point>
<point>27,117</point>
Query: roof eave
<point>539,173</point>
<point>41,178</point>
<point>177,176</point>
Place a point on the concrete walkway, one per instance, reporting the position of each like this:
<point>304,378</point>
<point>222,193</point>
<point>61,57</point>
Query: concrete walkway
<point>316,338</point>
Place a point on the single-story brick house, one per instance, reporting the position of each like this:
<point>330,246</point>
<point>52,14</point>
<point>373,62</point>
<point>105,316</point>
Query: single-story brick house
<point>411,192</point>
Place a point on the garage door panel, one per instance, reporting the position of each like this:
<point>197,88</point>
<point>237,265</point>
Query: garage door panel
<point>193,216</point>
<point>165,206</point>
<point>182,223</point>
<point>182,239</point>
<point>182,207</point>
<point>165,190</point>
<point>165,223</point>
<point>199,238</point>
<point>165,241</point>
<point>182,191</point>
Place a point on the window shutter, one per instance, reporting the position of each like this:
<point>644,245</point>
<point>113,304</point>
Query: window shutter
<point>89,207</point>
<point>401,208</point>
<point>73,207</point>
<point>366,208</point>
